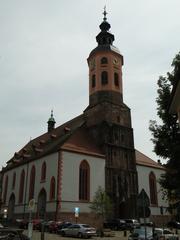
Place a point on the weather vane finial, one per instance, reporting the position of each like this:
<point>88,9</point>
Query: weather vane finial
<point>105,13</point>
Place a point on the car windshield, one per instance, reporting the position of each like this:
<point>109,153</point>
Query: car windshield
<point>85,225</point>
<point>141,231</point>
<point>166,231</point>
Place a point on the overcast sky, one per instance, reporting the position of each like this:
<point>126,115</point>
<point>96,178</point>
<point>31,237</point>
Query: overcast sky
<point>44,45</point>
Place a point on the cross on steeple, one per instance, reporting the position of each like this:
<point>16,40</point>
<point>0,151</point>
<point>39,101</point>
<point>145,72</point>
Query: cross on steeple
<point>105,13</point>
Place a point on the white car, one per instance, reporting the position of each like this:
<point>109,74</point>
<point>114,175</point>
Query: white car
<point>165,234</point>
<point>79,230</point>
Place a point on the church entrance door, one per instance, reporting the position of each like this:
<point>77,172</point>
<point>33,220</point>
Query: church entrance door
<point>41,206</point>
<point>11,206</point>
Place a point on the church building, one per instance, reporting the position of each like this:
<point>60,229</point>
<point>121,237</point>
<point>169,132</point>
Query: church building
<point>63,168</point>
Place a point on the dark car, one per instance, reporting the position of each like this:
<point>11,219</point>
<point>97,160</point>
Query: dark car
<point>22,223</point>
<point>173,224</point>
<point>37,223</point>
<point>44,226</point>
<point>53,226</point>
<point>12,234</point>
<point>115,224</point>
<point>132,224</point>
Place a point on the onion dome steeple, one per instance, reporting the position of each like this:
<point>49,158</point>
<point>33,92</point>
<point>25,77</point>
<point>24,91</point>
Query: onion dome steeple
<point>105,37</point>
<point>105,68</point>
<point>51,122</point>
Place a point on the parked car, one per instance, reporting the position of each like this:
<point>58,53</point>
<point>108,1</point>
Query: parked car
<point>53,226</point>
<point>115,224</point>
<point>1,226</point>
<point>132,223</point>
<point>62,226</point>
<point>141,233</point>
<point>37,223</point>
<point>164,234</point>
<point>79,230</point>
<point>173,224</point>
<point>148,224</point>
<point>22,223</point>
<point>44,225</point>
<point>12,234</point>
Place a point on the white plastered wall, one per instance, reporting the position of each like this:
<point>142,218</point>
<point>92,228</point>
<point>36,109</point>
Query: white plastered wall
<point>51,170</point>
<point>143,181</point>
<point>70,179</point>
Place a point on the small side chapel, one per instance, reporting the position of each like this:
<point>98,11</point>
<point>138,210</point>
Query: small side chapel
<point>63,168</point>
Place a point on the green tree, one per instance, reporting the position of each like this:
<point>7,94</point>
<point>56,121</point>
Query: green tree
<point>101,204</point>
<point>166,135</point>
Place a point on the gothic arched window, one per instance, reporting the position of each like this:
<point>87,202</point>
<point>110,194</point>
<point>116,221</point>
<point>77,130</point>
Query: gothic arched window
<point>104,60</point>
<point>116,79</point>
<point>5,189</point>
<point>84,181</point>
<point>104,78</point>
<point>153,188</point>
<point>93,83</point>
<point>32,183</point>
<point>52,189</point>
<point>21,186</point>
<point>43,172</point>
<point>14,180</point>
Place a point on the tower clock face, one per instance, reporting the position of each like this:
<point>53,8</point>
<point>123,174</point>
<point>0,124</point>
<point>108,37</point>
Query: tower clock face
<point>115,61</point>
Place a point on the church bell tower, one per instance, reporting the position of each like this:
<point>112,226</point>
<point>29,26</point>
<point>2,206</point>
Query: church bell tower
<point>108,120</point>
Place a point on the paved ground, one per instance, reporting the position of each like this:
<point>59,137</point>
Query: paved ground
<point>118,235</point>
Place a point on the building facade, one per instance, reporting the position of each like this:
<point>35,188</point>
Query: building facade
<point>63,168</point>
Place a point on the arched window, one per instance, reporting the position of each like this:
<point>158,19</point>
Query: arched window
<point>116,79</point>
<point>43,172</point>
<point>14,180</point>
<point>153,188</point>
<point>104,60</point>
<point>93,81</point>
<point>84,181</point>
<point>5,189</point>
<point>32,183</point>
<point>104,78</point>
<point>21,186</point>
<point>52,189</point>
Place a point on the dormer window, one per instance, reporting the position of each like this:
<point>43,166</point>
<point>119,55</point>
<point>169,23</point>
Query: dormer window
<point>104,60</point>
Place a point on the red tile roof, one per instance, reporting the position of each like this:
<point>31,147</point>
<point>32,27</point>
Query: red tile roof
<point>81,142</point>
<point>45,144</point>
<point>142,159</point>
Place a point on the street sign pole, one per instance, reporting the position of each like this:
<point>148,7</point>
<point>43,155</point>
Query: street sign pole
<point>30,227</point>
<point>76,212</point>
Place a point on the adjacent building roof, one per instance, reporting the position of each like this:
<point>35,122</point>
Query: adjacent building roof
<point>143,160</point>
